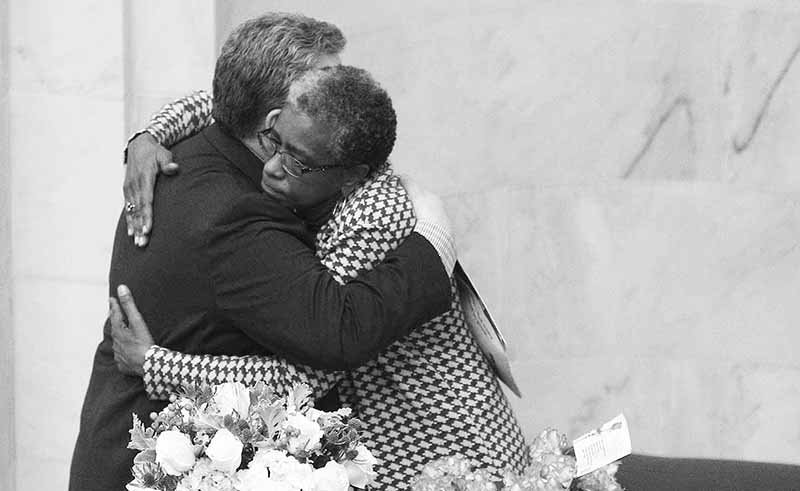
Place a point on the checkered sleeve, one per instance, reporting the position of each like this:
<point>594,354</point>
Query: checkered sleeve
<point>180,119</point>
<point>166,371</point>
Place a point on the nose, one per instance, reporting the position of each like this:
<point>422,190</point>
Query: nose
<point>273,167</point>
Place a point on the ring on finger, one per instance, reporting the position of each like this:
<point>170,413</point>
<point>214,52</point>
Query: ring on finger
<point>130,207</point>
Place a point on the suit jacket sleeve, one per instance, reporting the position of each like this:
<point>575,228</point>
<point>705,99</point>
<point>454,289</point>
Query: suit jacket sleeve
<point>270,284</point>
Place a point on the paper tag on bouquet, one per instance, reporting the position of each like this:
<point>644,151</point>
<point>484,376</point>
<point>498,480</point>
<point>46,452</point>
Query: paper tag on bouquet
<point>602,446</point>
<point>484,329</point>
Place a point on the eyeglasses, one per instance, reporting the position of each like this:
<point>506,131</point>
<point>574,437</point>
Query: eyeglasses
<point>290,164</point>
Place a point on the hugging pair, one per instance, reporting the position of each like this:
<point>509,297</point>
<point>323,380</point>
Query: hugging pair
<point>286,251</point>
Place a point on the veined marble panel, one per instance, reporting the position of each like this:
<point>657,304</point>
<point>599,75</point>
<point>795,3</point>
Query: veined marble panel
<point>497,93</point>
<point>686,407</point>
<point>682,269</point>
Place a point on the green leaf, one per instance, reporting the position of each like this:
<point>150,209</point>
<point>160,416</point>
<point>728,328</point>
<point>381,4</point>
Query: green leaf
<point>141,437</point>
<point>261,393</point>
<point>144,456</point>
<point>301,397</point>
<point>273,416</point>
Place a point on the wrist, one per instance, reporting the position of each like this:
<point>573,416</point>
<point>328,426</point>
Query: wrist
<point>143,137</point>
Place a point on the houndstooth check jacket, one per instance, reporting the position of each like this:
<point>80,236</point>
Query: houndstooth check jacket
<point>429,395</point>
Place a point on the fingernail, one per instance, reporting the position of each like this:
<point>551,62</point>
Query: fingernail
<point>130,231</point>
<point>145,229</point>
<point>123,291</point>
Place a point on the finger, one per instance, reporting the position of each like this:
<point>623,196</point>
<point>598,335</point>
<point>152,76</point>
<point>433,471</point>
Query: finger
<point>147,217</point>
<point>129,223</point>
<point>128,193</point>
<point>144,203</point>
<point>170,169</point>
<point>115,315</point>
<point>129,306</point>
<point>139,237</point>
<point>134,194</point>
<point>164,161</point>
<point>129,216</point>
<point>143,223</point>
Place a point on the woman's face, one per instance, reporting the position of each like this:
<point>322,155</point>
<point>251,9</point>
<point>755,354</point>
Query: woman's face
<point>304,139</point>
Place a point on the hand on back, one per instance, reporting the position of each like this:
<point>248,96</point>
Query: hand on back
<point>145,159</point>
<point>129,332</point>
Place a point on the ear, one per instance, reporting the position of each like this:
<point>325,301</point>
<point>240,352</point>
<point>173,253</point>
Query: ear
<point>272,117</point>
<point>353,177</point>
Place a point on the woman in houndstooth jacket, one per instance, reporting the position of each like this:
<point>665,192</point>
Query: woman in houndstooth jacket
<point>429,395</point>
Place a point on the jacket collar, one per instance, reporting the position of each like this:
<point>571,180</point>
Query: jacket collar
<point>236,152</point>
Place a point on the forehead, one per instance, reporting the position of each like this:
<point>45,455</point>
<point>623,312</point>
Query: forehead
<point>306,138</point>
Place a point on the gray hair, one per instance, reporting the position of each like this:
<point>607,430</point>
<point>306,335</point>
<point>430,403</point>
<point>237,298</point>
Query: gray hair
<point>259,61</point>
<point>359,112</point>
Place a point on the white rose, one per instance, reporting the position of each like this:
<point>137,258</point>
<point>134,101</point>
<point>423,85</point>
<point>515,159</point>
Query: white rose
<point>175,453</point>
<point>225,451</point>
<point>332,477</point>
<point>267,458</point>
<point>232,396</point>
<point>315,414</point>
<point>360,470</point>
<point>284,468</point>
<point>260,480</point>
<point>309,433</point>
<point>297,474</point>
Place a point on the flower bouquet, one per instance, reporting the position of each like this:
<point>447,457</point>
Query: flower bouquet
<point>552,468</point>
<point>230,437</point>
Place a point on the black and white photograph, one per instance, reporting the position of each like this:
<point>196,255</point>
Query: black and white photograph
<point>488,245</point>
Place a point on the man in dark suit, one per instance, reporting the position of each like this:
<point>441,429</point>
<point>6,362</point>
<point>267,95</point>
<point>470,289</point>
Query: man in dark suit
<point>230,270</point>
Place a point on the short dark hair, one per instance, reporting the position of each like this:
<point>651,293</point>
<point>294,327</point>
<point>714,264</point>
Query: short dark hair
<point>359,112</point>
<point>260,59</point>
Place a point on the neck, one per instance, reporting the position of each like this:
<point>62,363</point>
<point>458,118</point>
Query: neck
<point>315,216</point>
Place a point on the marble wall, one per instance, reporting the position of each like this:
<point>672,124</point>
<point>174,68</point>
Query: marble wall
<point>623,180</point>
<point>165,58</point>
<point>6,339</point>
<point>620,175</point>
<point>66,129</point>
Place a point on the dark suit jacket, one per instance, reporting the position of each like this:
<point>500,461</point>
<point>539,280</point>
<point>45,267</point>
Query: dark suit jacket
<point>230,271</point>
